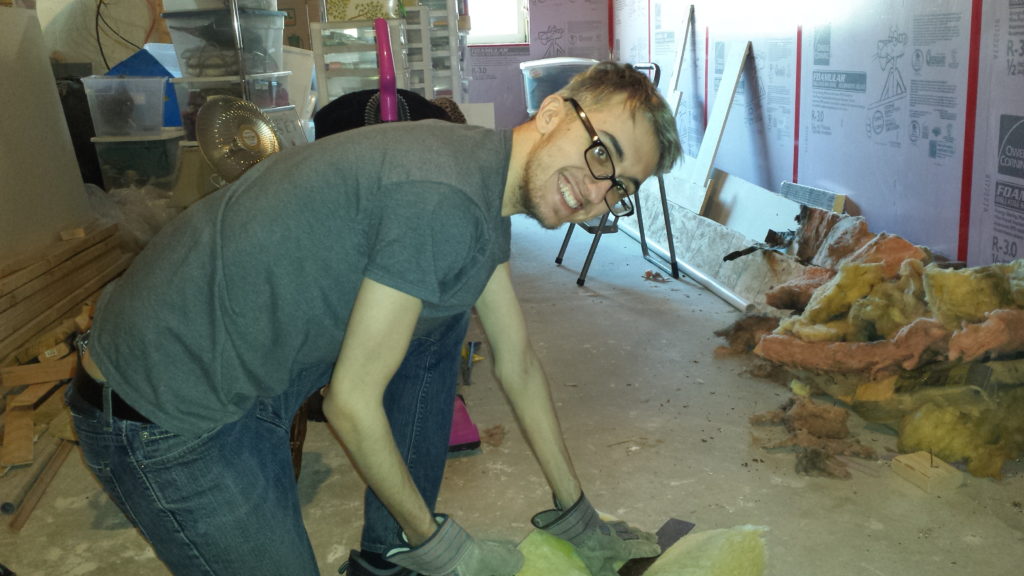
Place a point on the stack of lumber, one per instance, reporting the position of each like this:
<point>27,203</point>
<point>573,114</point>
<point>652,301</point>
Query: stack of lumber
<point>46,298</point>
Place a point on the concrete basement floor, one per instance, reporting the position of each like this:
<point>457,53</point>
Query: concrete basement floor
<point>657,425</point>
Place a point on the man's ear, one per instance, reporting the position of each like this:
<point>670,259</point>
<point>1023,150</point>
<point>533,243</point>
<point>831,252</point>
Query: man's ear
<point>550,113</point>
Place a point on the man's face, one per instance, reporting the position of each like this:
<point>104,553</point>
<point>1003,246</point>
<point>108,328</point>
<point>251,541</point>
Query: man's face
<point>559,187</point>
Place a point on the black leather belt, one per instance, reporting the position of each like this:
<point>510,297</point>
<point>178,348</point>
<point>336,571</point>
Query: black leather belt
<point>91,392</point>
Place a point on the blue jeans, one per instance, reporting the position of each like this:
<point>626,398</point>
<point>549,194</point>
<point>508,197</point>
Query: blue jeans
<point>227,502</point>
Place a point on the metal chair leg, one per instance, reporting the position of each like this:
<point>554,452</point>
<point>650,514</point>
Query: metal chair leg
<point>565,244</point>
<point>593,249</point>
<point>668,228</point>
<point>671,266</point>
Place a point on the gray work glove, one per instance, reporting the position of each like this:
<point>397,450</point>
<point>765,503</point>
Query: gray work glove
<point>599,544</point>
<point>450,551</point>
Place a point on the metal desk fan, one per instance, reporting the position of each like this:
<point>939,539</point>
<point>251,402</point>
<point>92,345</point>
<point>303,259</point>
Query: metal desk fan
<point>234,135</point>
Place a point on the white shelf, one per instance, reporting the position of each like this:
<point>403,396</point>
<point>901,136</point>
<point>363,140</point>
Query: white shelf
<point>345,54</point>
<point>434,54</point>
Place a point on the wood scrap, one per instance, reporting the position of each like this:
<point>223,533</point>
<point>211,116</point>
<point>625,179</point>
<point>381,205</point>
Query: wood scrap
<point>924,470</point>
<point>52,289</point>
<point>54,353</point>
<point>33,395</point>
<point>72,233</point>
<point>47,338</point>
<point>63,369</point>
<point>39,486</point>
<point>15,482</point>
<point>11,344</point>
<point>24,269</point>
<point>18,436</point>
<point>39,290</point>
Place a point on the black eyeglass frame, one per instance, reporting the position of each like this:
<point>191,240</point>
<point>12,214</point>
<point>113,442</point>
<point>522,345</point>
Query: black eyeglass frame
<point>623,206</point>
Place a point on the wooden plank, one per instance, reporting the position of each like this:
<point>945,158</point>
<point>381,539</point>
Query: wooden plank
<point>927,472</point>
<point>54,353</point>
<point>35,494</point>
<point>17,446</point>
<point>24,269</point>
<point>49,411</point>
<point>696,194</point>
<point>25,292</point>
<point>32,395</point>
<point>46,338</point>
<point>16,482</point>
<point>39,301</point>
<point>39,372</point>
<point>11,344</point>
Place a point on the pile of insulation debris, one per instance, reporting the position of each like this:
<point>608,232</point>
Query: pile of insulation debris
<point>930,348</point>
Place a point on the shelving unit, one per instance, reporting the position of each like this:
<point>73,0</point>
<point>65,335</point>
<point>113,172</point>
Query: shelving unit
<point>345,54</point>
<point>435,46</point>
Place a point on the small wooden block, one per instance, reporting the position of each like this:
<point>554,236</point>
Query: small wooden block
<point>54,353</point>
<point>72,233</point>
<point>927,472</point>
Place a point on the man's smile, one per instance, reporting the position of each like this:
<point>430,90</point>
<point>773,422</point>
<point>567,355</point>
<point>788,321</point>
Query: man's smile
<point>567,195</point>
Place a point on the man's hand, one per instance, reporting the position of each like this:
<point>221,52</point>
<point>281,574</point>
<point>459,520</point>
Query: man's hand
<point>601,545</point>
<point>450,551</point>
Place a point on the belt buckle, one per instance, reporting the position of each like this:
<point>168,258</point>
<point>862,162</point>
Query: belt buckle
<point>82,342</point>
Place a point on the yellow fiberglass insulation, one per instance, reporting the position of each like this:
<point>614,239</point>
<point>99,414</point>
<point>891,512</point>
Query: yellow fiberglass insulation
<point>890,306</point>
<point>544,554</point>
<point>834,298</point>
<point>957,296</point>
<point>735,551</point>
<point>1015,275</point>
<point>984,441</point>
<point>832,331</point>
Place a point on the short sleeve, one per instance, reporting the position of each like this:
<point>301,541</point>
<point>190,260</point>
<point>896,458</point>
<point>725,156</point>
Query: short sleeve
<point>427,241</point>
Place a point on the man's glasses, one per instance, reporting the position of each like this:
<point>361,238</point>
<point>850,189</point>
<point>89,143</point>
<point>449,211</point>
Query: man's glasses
<point>599,161</point>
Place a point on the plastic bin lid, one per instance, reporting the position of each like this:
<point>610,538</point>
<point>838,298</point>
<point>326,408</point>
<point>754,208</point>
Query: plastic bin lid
<point>166,133</point>
<point>557,61</point>
<point>225,79</point>
<point>208,12</point>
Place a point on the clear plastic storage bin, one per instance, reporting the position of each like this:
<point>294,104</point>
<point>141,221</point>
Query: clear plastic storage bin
<point>126,105</point>
<point>542,78</point>
<point>182,5</point>
<point>136,161</point>
<point>205,44</point>
<point>265,90</point>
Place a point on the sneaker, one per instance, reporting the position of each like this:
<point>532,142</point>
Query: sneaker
<point>358,566</point>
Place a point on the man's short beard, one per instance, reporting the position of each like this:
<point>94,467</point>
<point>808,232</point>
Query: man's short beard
<point>528,202</point>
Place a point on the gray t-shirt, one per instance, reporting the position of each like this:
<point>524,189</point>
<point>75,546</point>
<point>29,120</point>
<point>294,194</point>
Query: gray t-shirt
<point>255,282</point>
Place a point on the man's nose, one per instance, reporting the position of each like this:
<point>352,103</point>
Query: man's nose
<point>596,190</point>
